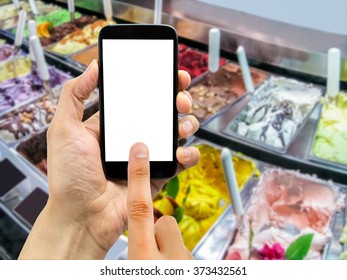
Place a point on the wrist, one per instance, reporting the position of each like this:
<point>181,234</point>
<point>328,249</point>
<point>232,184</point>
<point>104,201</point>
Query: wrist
<point>57,235</point>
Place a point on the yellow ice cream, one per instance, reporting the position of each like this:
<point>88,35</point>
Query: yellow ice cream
<point>331,138</point>
<point>191,232</point>
<point>208,193</point>
<point>80,39</point>
<point>14,68</point>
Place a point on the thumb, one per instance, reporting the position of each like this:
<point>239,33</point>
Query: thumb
<point>75,91</point>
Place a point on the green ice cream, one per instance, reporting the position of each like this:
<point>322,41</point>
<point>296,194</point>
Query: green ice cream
<point>331,138</point>
<point>55,18</point>
<point>343,238</point>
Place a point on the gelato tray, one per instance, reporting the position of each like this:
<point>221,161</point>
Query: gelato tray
<point>194,61</point>
<point>214,93</point>
<point>329,144</point>
<point>77,40</point>
<point>275,114</point>
<point>30,207</point>
<point>17,179</point>
<point>24,89</point>
<point>85,57</point>
<point>284,206</point>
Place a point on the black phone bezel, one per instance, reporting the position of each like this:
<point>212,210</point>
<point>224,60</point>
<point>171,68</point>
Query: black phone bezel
<point>158,169</point>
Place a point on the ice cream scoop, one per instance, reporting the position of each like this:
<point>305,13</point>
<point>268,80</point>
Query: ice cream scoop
<point>41,65</point>
<point>247,78</point>
<point>333,75</point>
<point>230,178</point>
<point>213,50</point>
<point>20,29</point>
<point>71,8</point>
<point>108,10</point>
<point>158,9</point>
<point>33,6</point>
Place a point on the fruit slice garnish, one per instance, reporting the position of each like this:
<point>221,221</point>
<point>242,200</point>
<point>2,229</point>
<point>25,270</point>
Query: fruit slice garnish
<point>43,29</point>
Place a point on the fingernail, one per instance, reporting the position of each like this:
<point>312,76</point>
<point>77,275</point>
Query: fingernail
<point>90,64</point>
<point>187,126</point>
<point>140,150</point>
<point>186,93</point>
<point>186,153</point>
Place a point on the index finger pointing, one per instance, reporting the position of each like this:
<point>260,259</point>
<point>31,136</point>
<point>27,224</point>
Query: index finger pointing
<point>140,209</point>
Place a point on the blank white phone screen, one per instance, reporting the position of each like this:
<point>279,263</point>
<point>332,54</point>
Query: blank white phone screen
<point>138,96</point>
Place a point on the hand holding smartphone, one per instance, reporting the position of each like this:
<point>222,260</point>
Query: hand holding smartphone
<point>138,87</point>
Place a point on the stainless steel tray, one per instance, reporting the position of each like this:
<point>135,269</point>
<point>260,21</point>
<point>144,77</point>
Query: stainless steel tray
<point>263,145</point>
<point>20,191</point>
<point>336,223</point>
<point>76,63</point>
<point>26,102</point>
<point>312,157</point>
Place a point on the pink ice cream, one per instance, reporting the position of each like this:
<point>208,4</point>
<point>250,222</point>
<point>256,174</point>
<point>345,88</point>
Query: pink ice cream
<point>286,205</point>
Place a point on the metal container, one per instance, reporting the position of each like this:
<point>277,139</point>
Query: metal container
<point>240,116</point>
<point>312,157</point>
<point>336,220</point>
<point>26,183</point>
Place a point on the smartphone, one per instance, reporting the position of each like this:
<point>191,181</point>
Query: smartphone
<point>138,81</point>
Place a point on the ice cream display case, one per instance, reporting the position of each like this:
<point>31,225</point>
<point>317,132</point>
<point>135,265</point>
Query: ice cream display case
<point>287,133</point>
